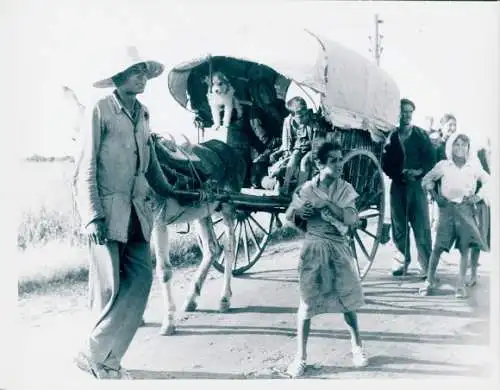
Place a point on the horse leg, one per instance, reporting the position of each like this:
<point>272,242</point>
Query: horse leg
<point>209,249</point>
<point>229,257</point>
<point>164,272</point>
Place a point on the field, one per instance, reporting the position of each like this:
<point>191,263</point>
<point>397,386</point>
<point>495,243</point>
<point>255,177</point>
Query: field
<point>51,250</point>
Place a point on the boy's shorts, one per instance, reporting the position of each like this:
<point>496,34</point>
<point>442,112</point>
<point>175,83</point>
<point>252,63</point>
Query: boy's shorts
<point>457,225</point>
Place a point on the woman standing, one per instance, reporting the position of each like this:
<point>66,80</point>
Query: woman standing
<point>328,281</point>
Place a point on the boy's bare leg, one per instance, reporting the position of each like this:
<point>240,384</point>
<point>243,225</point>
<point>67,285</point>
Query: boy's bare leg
<point>464,260</point>
<point>433,264</point>
<point>474,262</point>
<point>298,366</point>
<point>303,329</point>
<point>431,281</point>
<point>358,355</point>
<point>351,319</point>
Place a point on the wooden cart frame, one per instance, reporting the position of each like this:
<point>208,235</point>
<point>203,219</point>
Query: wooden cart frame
<point>359,101</point>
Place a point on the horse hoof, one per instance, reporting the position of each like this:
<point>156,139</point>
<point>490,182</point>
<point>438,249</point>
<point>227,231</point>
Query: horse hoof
<point>190,306</point>
<point>224,305</point>
<point>167,330</point>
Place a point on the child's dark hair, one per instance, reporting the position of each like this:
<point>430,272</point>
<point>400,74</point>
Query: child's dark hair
<point>446,118</point>
<point>406,101</point>
<point>463,138</point>
<point>321,153</point>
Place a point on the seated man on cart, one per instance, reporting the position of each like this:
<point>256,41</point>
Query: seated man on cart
<point>300,129</point>
<point>266,116</point>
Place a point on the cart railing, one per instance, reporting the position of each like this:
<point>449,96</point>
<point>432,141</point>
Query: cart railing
<point>243,201</point>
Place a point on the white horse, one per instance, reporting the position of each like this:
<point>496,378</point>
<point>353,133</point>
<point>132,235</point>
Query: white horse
<point>169,211</point>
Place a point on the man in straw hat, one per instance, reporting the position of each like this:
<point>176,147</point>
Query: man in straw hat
<point>112,198</point>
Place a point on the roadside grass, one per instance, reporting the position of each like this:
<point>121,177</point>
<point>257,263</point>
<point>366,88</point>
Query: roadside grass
<point>51,250</point>
<point>51,254</point>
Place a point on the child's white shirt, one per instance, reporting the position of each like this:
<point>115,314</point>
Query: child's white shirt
<point>457,182</point>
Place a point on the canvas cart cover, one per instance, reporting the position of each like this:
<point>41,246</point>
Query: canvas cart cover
<point>355,93</point>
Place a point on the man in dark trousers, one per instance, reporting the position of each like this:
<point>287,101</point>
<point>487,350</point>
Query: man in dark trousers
<point>408,156</point>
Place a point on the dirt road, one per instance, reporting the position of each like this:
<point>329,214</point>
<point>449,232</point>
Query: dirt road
<point>405,335</point>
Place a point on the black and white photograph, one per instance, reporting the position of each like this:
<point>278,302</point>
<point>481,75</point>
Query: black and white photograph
<point>266,190</point>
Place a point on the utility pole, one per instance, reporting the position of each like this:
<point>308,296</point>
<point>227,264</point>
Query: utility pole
<point>377,41</point>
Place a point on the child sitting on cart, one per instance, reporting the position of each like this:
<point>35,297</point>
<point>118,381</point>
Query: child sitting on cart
<point>459,175</point>
<point>328,282</point>
<point>299,131</point>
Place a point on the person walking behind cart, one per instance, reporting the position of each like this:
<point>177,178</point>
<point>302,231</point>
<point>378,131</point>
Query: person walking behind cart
<point>328,282</point>
<point>448,127</point>
<point>407,157</point>
<point>111,193</point>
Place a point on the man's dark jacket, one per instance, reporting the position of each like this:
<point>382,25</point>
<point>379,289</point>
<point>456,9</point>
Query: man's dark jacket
<point>420,155</point>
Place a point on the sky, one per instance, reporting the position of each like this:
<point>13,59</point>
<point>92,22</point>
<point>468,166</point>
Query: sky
<point>442,55</point>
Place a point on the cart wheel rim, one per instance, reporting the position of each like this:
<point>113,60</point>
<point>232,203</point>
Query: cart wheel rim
<point>252,236</point>
<point>362,169</point>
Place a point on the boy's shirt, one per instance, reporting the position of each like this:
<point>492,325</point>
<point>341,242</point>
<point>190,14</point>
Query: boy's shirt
<point>456,182</point>
<point>296,136</point>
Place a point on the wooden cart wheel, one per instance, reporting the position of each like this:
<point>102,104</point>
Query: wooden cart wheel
<point>252,230</point>
<point>363,171</point>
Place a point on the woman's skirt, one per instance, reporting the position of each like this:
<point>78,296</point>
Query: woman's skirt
<point>328,279</point>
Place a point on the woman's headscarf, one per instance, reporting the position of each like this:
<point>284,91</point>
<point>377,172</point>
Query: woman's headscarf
<point>471,155</point>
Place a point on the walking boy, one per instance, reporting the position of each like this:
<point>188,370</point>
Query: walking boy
<point>459,175</point>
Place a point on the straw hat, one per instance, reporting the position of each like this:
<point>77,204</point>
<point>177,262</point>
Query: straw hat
<point>125,60</point>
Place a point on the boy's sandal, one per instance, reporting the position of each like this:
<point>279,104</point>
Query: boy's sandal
<point>425,291</point>
<point>472,282</point>
<point>461,293</point>
<point>296,369</point>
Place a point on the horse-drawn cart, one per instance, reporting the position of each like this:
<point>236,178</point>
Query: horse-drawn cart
<point>358,101</point>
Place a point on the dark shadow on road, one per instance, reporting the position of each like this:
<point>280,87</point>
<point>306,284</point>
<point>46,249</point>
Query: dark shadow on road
<point>396,309</point>
<point>279,272</point>
<point>378,364</point>
<point>214,330</point>
<point>148,374</point>
<point>286,275</point>
<point>152,375</point>
<point>255,309</point>
<point>280,280</point>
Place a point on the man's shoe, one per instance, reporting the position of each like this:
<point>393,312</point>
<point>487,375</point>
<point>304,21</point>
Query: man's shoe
<point>98,370</point>
<point>83,363</point>
<point>400,271</point>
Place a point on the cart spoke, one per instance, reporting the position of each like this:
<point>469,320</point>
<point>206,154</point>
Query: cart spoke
<point>254,239</point>
<point>369,201</point>
<point>370,215</point>
<point>258,224</point>
<point>215,222</point>
<point>353,248</point>
<point>237,239</point>
<point>369,233</point>
<point>361,245</point>
<point>245,242</point>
